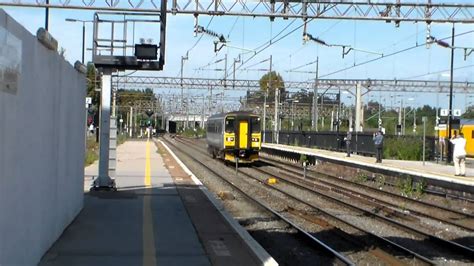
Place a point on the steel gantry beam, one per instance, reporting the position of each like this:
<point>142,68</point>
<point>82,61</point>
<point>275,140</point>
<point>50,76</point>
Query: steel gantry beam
<point>394,11</point>
<point>141,82</point>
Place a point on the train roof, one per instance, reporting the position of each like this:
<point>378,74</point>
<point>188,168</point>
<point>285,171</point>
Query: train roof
<point>467,121</point>
<point>236,113</point>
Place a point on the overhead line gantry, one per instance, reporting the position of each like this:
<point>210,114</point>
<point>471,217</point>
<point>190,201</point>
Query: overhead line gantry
<point>395,11</point>
<point>140,82</point>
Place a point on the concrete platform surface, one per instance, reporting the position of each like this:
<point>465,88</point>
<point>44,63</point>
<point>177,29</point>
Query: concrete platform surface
<point>439,171</point>
<point>150,220</point>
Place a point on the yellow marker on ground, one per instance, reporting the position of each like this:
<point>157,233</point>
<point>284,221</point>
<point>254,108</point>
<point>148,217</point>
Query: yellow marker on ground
<point>272,181</point>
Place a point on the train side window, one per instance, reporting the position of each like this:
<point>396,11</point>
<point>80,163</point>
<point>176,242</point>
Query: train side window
<point>255,122</point>
<point>211,127</point>
<point>472,134</point>
<point>229,125</point>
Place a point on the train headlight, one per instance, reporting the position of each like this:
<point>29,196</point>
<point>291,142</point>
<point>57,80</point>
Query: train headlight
<point>254,139</point>
<point>229,139</point>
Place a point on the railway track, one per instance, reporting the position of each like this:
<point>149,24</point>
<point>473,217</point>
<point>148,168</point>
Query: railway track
<point>339,258</point>
<point>384,250</point>
<point>381,197</point>
<point>456,250</point>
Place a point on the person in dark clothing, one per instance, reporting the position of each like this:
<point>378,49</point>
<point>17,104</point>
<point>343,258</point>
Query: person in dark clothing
<point>348,139</point>
<point>378,142</point>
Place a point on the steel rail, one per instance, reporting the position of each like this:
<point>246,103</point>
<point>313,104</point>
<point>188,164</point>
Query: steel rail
<point>454,222</point>
<point>334,217</point>
<point>313,239</point>
<point>455,247</point>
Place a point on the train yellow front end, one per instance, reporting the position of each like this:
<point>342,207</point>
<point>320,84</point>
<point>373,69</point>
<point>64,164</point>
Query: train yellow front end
<point>241,137</point>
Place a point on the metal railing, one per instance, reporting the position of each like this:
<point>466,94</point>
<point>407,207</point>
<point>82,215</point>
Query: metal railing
<point>361,143</point>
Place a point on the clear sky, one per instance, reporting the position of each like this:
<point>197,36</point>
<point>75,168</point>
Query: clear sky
<point>289,52</point>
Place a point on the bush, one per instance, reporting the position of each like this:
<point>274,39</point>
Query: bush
<point>197,133</point>
<point>401,148</point>
<point>121,138</point>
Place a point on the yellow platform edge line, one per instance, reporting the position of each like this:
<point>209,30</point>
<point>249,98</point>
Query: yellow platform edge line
<point>147,165</point>
<point>149,249</point>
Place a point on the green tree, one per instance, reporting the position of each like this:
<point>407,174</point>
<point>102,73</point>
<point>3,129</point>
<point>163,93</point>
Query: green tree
<point>276,83</point>
<point>93,83</point>
<point>469,114</point>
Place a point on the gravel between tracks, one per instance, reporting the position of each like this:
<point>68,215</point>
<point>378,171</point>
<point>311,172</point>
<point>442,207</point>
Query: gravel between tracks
<point>383,230</point>
<point>280,241</point>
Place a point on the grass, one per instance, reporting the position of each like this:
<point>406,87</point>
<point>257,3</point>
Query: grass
<point>198,133</point>
<point>92,149</point>
<point>361,178</point>
<point>409,188</point>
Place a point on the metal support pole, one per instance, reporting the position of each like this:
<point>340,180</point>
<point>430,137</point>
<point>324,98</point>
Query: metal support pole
<point>450,114</point>
<point>314,121</point>
<point>104,181</point>
<point>83,41</point>
<point>277,92</point>
<point>338,113</point>
<point>46,20</point>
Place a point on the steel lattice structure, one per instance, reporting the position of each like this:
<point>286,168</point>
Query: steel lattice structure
<point>390,11</point>
<point>142,82</point>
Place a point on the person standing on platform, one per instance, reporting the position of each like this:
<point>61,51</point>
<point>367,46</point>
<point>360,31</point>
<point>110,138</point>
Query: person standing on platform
<point>378,142</point>
<point>459,154</point>
<point>348,139</point>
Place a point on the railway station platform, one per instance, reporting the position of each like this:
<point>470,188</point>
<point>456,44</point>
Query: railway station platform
<point>160,215</point>
<point>437,174</point>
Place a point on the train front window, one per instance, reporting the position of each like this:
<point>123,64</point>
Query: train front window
<point>255,122</point>
<point>229,124</point>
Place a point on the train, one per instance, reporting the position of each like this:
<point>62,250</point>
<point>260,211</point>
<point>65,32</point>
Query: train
<point>467,128</point>
<point>234,136</point>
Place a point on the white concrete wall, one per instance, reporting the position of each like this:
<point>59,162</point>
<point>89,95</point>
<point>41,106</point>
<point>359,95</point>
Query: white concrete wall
<point>41,147</point>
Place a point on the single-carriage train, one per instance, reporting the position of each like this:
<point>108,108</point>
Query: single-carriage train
<point>234,135</point>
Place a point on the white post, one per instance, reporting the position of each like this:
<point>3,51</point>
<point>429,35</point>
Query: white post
<point>332,120</point>
<point>264,114</point>
<point>358,109</point>
<point>424,118</point>
<point>104,179</point>
<point>130,124</point>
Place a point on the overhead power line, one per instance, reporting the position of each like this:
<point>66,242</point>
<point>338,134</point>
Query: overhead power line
<point>388,55</point>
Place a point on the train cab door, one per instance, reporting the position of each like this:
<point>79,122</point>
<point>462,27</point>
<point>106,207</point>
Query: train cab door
<point>243,134</point>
